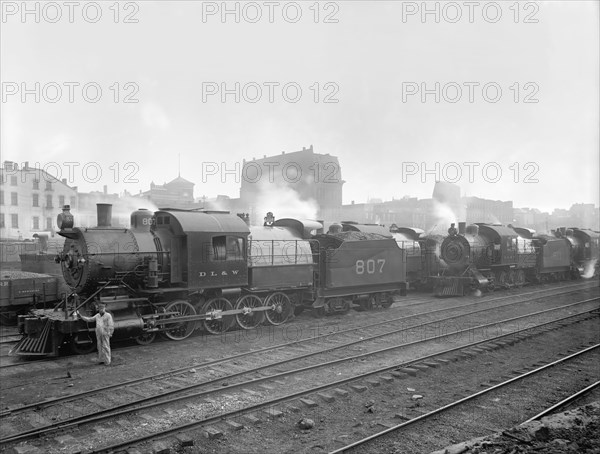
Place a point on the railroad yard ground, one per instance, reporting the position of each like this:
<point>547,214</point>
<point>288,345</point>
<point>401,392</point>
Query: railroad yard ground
<point>419,378</point>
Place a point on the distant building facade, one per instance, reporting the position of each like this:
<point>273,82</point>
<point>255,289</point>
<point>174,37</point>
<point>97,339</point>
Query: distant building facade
<point>312,176</point>
<point>488,211</point>
<point>178,193</point>
<point>30,200</point>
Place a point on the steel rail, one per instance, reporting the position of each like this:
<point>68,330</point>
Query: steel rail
<point>48,403</point>
<point>464,399</point>
<point>563,402</point>
<point>572,287</point>
<point>116,411</point>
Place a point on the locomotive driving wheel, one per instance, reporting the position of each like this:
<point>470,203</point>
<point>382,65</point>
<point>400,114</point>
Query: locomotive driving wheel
<point>248,319</point>
<point>146,338</point>
<point>217,325</point>
<point>182,330</point>
<point>282,308</point>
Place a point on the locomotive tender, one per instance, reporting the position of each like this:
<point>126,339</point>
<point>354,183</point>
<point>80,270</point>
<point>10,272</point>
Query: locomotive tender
<point>176,269</point>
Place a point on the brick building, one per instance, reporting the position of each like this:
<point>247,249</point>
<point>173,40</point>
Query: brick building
<point>178,193</point>
<point>314,179</point>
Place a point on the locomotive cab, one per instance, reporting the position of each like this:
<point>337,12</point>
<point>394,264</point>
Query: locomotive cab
<point>206,249</point>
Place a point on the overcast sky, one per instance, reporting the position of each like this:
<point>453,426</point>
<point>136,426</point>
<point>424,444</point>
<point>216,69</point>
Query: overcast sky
<point>541,131</point>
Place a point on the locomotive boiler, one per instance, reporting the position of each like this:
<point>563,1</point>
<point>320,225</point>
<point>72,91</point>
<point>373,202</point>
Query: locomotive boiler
<point>483,256</point>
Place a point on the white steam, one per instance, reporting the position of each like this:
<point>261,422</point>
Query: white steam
<point>283,202</point>
<point>443,216</point>
<point>589,269</point>
<point>121,210</point>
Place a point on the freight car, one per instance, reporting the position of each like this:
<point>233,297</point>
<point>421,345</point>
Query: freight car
<point>21,290</point>
<point>175,269</point>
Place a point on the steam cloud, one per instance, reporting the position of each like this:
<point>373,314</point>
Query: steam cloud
<point>283,202</point>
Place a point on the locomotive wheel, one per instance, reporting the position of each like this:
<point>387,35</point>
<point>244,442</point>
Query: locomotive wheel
<point>181,330</point>
<point>221,325</point>
<point>249,319</point>
<point>146,338</point>
<point>365,304</point>
<point>83,343</point>
<point>338,305</point>
<point>282,308</point>
<point>387,301</point>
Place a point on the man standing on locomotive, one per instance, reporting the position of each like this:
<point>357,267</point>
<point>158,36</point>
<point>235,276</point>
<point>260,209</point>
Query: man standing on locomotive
<point>104,331</point>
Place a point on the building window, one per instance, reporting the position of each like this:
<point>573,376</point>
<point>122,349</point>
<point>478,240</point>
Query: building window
<point>48,223</point>
<point>1,197</point>
<point>36,200</point>
<point>2,221</point>
<point>72,201</point>
<point>61,201</point>
<point>13,180</point>
<point>36,184</point>
<point>36,223</point>
<point>48,201</point>
<point>14,198</point>
<point>14,221</point>
<point>48,186</point>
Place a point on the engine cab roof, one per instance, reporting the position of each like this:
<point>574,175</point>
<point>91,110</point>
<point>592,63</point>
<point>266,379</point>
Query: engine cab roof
<point>303,227</point>
<point>496,232</point>
<point>525,232</point>
<point>200,221</point>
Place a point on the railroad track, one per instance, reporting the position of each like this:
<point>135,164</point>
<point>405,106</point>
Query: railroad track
<point>9,363</point>
<point>253,378</point>
<point>591,355</point>
<point>563,403</point>
<point>364,333</point>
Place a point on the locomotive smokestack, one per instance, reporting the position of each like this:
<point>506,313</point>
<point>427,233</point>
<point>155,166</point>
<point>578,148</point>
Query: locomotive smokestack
<point>462,228</point>
<point>104,211</point>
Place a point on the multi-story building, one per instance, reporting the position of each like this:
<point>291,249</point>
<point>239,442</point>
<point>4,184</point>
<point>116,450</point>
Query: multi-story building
<point>178,193</point>
<point>30,200</point>
<point>488,211</point>
<point>315,179</point>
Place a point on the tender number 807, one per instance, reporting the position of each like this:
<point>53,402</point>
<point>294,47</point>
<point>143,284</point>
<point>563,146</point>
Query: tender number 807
<point>370,266</point>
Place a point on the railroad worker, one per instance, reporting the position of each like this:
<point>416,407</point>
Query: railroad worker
<point>104,331</point>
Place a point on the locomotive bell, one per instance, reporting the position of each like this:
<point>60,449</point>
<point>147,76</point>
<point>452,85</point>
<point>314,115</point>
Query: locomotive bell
<point>65,219</point>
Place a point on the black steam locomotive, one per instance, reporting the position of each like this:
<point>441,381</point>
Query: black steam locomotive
<point>486,257</point>
<point>176,269</point>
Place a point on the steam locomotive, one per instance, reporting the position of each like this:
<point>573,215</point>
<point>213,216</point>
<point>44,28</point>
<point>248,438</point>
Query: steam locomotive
<point>486,257</point>
<point>174,269</point>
